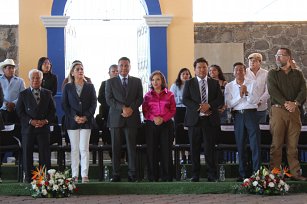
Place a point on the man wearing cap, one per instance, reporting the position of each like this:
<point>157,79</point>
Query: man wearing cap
<point>12,86</point>
<point>255,72</point>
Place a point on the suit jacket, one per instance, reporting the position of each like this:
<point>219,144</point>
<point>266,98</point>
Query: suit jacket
<point>192,98</point>
<point>28,109</point>
<point>116,99</point>
<point>73,105</point>
<point>104,107</point>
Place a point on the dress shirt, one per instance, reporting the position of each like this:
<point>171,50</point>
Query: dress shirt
<point>235,101</point>
<point>11,89</point>
<point>178,94</point>
<point>261,78</point>
<point>122,79</point>
<point>159,104</point>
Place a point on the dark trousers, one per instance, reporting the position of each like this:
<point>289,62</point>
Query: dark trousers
<point>206,132</point>
<point>116,136</point>
<point>28,142</point>
<point>159,140</point>
<point>9,116</point>
<point>247,128</point>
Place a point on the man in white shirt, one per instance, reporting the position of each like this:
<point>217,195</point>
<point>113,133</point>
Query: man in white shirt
<point>255,72</point>
<point>242,96</point>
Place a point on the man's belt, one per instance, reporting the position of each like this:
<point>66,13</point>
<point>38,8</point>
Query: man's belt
<point>245,110</point>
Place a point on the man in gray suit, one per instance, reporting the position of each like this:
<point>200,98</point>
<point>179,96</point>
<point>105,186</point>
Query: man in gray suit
<point>124,95</point>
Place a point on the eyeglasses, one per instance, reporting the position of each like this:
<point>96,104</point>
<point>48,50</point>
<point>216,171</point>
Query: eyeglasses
<point>281,55</point>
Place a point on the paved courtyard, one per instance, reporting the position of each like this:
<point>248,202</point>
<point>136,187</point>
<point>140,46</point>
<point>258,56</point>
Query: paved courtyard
<point>163,199</point>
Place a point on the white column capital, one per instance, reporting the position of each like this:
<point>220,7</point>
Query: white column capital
<point>158,20</point>
<point>54,21</point>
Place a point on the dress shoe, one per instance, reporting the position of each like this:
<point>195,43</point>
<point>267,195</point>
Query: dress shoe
<point>194,179</point>
<point>115,179</point>
<point>299,178</point>
<point>132,179</point>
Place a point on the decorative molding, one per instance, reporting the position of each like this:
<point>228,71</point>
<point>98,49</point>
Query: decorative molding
<point>54,21</point>
<point>158,20</point>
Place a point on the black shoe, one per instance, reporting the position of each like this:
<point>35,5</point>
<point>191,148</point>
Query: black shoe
<point>132,179</point>
<point>115,179</point>
<point>194,179</point>
<point>211,179</point>
<point>240,179</point>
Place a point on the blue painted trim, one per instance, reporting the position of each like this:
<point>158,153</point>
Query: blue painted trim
<point>56,43</point>
<point>56,52</point>
<point>58,7</point>
<point>153,7</point>
<point>158,49</point>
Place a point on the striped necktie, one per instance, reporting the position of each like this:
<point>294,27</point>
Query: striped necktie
<point>203,91</point>
<point>36,95</point>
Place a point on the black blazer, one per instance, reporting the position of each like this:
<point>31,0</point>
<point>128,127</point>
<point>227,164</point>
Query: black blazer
<point>116,99</point>
<point>28,109</point>
<point>50,82</point>
<point>191,99</point>
<point>104,107</point>
<point>73,105</point>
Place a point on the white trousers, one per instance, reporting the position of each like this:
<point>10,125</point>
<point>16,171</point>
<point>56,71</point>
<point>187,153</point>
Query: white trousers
<point>79,142</point>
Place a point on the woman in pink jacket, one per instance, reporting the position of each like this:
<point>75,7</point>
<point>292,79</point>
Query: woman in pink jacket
<point>159,107</point>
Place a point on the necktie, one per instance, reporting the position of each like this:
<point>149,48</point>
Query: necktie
<point>36,95</point>
<point>203,91</point>
<point>125,85</point>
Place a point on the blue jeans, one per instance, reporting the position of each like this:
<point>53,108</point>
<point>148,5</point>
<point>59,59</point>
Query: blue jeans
<point>247,128</point>
<point>261,116</point>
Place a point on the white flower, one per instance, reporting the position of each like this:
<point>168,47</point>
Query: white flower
<point>44,192</point>
<point>57,175</point>
<point>281,182</point>
<point>271,184</point>
<point>51,171</point>
<point>70,187</point>
<point>51,182</point>
<point>255,183</point>
<point>246,180</point>
<point>271,176</point>
<point>257,178</point>
<point>55,187</point>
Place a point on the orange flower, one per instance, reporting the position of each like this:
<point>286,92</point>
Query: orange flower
<point>286,172</point>
<point>276,171</point>
<point>38,174</point>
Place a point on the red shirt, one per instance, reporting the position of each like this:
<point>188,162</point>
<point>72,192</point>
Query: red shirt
<point>159,104</point>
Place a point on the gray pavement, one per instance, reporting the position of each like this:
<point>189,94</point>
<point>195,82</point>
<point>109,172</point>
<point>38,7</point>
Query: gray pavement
<point>163,199</point>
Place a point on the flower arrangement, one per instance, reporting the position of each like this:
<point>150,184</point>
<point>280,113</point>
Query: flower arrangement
<point>264,182</point>
<point>51,183</point>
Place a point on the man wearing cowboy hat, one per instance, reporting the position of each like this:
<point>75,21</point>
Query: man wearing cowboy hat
<point>12,86</point>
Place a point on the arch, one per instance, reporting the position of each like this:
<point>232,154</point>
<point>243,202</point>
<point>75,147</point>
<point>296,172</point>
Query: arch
<point>56,44</point>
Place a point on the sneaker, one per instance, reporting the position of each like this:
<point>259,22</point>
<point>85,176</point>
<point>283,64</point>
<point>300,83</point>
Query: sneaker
<point>85,179</point>
<point>75,179</point>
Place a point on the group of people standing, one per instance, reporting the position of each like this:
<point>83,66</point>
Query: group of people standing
<point>198,102</point>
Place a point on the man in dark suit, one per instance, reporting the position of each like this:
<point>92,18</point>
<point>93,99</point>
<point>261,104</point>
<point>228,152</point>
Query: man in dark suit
<point>202,96</point>
<point>104,107</point>
<point>124,95</point>
<point>36,110</point>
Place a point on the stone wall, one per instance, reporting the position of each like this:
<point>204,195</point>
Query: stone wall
<point>9,42</point>
<point>262,37</point>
